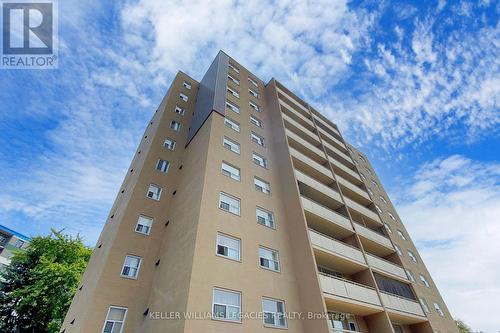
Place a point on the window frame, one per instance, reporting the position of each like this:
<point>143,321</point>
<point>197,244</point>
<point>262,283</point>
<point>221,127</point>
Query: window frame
<point>254,106</point>
<point>265,160</point>
<point>412,256</point>
<point>159,195</point>
<point>232,141</point>
<point>233,92</point>
<point>187,85</point>
<point>233,67</point>
<point>252,81</point>
<point>258,187</point>
<point>273,226</point>
<point>180,111</point>
<point>114,321</point>
<point>183,97</point>
<point>161,170</point>
<point>230,174</point>
<point>149,227</point>
<point>173,122</point>
<point>214,317</point>
<point>424,281</point>
<point>256,121</point>
<point>135,277</point>
<point>173,143</point>
<point>424,304</point>
<point>253,134</point>
<point>277,256</point>
<point>401,234</point>
<point>438,309</point>
<point>410,275</point>
<point>233,79</point>
<point>231,237</point>
<point>253,93</point>
<point>229,123</point>
<point>285,326</point>
<point>233,107</point>
<point>221,193</point>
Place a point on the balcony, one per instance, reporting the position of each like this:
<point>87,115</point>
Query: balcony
<point>344,158</point>
<point>316,186</point>
<point>336,247</point>
<point>301,130</point>
<point>305,147</point>
<point>348,296</point>
<point>311,167</point>
<point>345,172</point>
<point>386,266</point>
<point>373,241</point>
<point>353,191</point>
<point>299,105</point>
<point>402,305</point>
<point>365,212</point>
<point>327,125</point>
<point>333,140</point>
<point>326,220</point>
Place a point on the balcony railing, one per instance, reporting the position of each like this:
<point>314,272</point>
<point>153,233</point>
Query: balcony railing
<point>373,235</point>
<point>318,186</point>
<point>386,266</point>
<point>325,213</point>
<point>311,163</point>
<point>324,123</point>
<point>337,151</point>
<point>319,153</point>
<point>334,246</point>
<point>305,131</point>
<point>332,138</point>
<point>356,189</point>
<point>293,100</point>
<point>348,290</point>
<point>347,171</point>
<point>362,210</point>
<point>402,304</point>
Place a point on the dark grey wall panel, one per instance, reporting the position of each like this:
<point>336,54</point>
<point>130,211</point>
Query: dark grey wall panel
<point>211,94</point>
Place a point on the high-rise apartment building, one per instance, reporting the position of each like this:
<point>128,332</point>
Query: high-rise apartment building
<point>244,210</point>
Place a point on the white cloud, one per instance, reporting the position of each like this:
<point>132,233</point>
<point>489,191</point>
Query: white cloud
<point>452,210</point>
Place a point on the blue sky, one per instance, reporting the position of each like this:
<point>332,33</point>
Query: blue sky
<point>415,85</point>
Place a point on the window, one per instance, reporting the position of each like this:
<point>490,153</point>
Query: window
<point>424,304</point>
<point>378,209</point>
<point>254,106</point>
<point>256,121</point>
<point>131,266</point>
<point>368,170</point>
<point>274,313</point>
<point>257,139</point>
<point>162,165</point>
<point>412,256</point>
<point>19,243</point>
<point>401,235</point>
<point>228,247</point>
<point>169,144</point>
<point>233,107</point>
<point>226,305</point>
<point>115,320</point>
<point>154,192</point>
<point>186,85</point>
<point>253,93</point>
<point>233,92</point>
<point>362,176</point>
<point>391,216</point>
<point>397,328</point>
<point>144,225</point>
<point>269,259</point>
<point>183,97</point>
<point>176,126</point>
<point>383,199</point>
<point>231,145</point>
<point>265,217</point>
<point>262,186</point>
<point>229,203</point>
<point>388,228</point>
<point>233,67</point>
<point>232,124</point>
<point>424,281</point>
<point>179,110</point>
<point>374,183</point>
<point>343,321</point>
<point>398,250</point>
<point>235,81</point>
<point>370,191</point>
<point>230,171</point>
<point>410,275</point>
<point>253,82</point>
<point>438,309</point>
<point>259,160</point>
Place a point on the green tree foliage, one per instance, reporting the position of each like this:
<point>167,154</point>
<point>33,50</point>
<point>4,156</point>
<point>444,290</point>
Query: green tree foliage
<point>462,327</point>
<point>40,282</point>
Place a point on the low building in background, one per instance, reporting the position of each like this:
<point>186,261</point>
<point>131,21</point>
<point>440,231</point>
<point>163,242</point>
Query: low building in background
<point>10,241</point>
